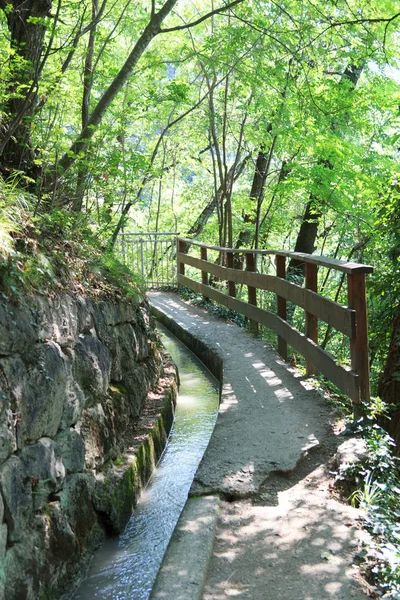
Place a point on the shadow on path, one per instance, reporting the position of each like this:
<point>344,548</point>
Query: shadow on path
<point>280,535</point>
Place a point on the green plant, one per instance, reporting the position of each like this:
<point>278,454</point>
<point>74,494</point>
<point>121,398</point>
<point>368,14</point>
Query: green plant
<point>367,497</point>
<point>379,495</point>
<point>213,307</point>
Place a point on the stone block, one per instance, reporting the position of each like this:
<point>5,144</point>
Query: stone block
<point>100,434</point>
<point>37,385</point>
<point>85,316</point>
<point>16,490</point>
<point>3,540</point>
<point>45,471</point>
<point>91,367</point>
<point>74,403</point>
<point>17,331</point>
<point>71,449</point>
<point>76,503</point>
<point>56,319</point>
<point>8,440</point>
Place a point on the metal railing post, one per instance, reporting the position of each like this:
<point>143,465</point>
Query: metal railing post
<point>141,258</point>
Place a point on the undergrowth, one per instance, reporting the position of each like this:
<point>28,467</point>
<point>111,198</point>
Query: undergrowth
<point>56,252</point>
<point>378,494</point>
<point>216,309</point>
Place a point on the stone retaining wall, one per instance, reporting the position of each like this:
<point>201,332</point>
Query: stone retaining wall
<point>86,403</point>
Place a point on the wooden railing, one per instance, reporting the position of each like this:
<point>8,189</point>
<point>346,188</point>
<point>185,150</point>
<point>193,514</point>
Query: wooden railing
<point>351,320</point>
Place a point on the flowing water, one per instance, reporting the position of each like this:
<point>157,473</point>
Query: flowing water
<point>125,568</point>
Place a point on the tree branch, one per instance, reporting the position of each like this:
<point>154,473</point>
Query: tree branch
<point>203,18</point>
<point>150,32</point>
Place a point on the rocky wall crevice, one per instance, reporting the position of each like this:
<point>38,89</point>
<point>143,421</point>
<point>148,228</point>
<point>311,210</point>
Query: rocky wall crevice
<point>86,403</point>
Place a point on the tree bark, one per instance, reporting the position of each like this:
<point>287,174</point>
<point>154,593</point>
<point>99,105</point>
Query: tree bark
<point>309,227</point>
<point>27,33</point>
<point>85,107</point>
<point>306,237</point>
<point>257,189</point>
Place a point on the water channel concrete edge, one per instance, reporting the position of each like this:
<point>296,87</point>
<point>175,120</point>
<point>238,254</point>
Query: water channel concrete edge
<point>184,567</point>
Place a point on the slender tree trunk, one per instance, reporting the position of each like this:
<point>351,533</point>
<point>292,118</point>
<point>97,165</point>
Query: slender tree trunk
<point>202,220</point>
<point>85,107</point>
<point>257,189</point>
<point>147,177</point>
<point>283,173</point>
<point>309,227</point>
<point>149,33</point>
<point>27,37</point>
<point>305,239</point>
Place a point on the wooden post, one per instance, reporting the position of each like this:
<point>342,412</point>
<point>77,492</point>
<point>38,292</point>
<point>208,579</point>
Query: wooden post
<point>359,342</point>
<point>252,291</point>
<point>231,284</point>
<point>181,248</point>
<point>281,304</point>
<point>204,274</point>
<point>311,320</point>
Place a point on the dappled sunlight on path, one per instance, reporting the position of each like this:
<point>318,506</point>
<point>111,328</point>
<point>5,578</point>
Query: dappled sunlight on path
<point>280,534</point>
<point>300,549</point>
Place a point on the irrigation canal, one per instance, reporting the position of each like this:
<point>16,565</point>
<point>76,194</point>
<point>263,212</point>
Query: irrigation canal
<point>126,567</point>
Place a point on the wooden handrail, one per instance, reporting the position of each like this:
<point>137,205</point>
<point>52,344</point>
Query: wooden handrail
<point>331,263</point>
<point>350,320</point>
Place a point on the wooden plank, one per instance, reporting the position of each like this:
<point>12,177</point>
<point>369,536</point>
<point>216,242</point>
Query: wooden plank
<point>345,379</point>
<point>332,263</point>
<point>262,282</point>
<point>231,284</point>
<point>181,253</point>
<point>311,320</point>
<point>251,290</point>
<point>341,318</point>
<point>359,342</point>
<point>204,274</point>
<point>281,305</point>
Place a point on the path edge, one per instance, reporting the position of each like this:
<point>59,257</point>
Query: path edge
<point>185,563</point>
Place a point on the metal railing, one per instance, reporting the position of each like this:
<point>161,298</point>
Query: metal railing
<point>152,255</point>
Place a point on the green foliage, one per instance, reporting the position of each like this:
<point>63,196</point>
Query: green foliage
<point>378,494</point>
<point>217,309</point>
<point>57,251</point>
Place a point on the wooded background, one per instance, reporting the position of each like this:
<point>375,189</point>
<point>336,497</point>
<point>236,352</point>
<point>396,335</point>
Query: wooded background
<point>252,123</point>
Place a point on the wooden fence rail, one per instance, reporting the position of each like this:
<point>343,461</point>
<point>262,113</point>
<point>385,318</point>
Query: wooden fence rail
<point>350,320</point>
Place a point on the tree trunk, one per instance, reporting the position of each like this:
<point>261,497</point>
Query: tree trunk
<point>27,36</point>
<point>85,107</point>
<point>202,220</point>
<point>257,189</point>
<point>149,33</point>
<point>306,239</point>
<point>389,384</point>
<point>309,227</point>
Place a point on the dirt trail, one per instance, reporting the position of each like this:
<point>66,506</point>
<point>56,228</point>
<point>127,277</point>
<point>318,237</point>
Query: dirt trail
<point>294,541</point>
